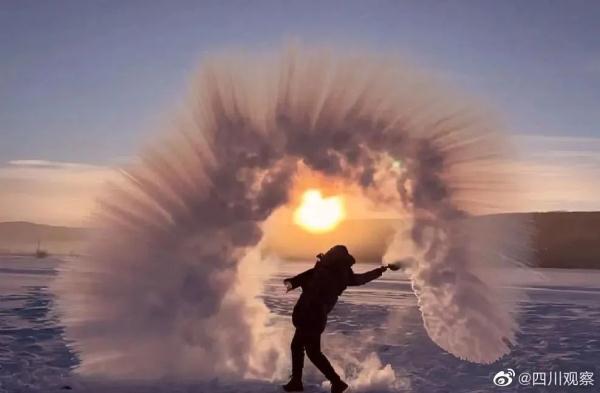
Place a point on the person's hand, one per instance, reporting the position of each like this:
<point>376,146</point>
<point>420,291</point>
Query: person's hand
<point>288,285</point>
<point>394,266</point>
<point>384,268</point>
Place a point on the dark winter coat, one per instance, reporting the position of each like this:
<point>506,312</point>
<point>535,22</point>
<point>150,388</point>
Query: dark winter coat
<point>321,287</point>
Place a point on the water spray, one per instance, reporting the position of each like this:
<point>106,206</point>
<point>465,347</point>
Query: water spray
<point>164,290</point>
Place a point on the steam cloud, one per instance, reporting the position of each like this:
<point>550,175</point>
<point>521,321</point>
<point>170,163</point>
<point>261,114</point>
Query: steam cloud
<point>166,288</point>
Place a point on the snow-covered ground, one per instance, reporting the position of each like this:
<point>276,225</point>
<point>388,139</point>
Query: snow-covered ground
<point>560,332</point>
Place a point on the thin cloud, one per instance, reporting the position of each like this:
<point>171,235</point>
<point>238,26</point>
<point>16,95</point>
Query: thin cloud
<point>535,140</point>
<point>52,165</point>
<point>50,192</point>
<point>560,172</point>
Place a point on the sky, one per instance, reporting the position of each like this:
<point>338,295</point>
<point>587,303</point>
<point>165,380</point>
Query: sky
<point>84,83</point>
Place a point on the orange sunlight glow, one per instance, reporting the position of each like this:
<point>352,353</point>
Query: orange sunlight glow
<point>317,214</point>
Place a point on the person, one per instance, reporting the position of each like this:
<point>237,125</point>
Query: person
<point>321,287</point>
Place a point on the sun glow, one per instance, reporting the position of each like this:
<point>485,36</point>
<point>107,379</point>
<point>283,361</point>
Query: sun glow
<point>317,214</point>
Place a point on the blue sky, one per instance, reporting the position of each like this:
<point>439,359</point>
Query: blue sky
<point>84,81</point>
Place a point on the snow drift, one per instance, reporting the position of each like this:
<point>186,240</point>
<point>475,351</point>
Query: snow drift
<point>165,290</point>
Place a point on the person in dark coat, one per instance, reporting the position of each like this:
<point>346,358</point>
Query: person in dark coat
<point>321,287</point>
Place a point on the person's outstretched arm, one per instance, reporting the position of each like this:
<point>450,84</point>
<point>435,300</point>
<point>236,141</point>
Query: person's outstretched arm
<point>363,278</point>
<point>298,281</point>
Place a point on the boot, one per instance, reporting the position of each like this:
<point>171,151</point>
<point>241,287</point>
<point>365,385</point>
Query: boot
<point>295,385</point>
<point>338,386</point>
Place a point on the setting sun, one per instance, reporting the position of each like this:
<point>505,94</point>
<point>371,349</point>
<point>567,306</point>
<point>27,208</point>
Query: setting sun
<point>317,214</point>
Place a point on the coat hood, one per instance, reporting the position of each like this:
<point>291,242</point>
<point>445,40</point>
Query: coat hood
<point>336,256</point>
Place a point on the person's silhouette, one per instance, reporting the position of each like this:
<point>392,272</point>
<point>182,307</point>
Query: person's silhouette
<point>321,287</point>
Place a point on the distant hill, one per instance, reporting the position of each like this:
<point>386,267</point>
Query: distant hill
<point>366,239</point>
<point>559,239</point>
<point>23,237</point>
<point>567,239</point>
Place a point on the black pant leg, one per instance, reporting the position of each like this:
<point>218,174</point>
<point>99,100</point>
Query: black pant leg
<point>297,355</point>
<point>312,343</point>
